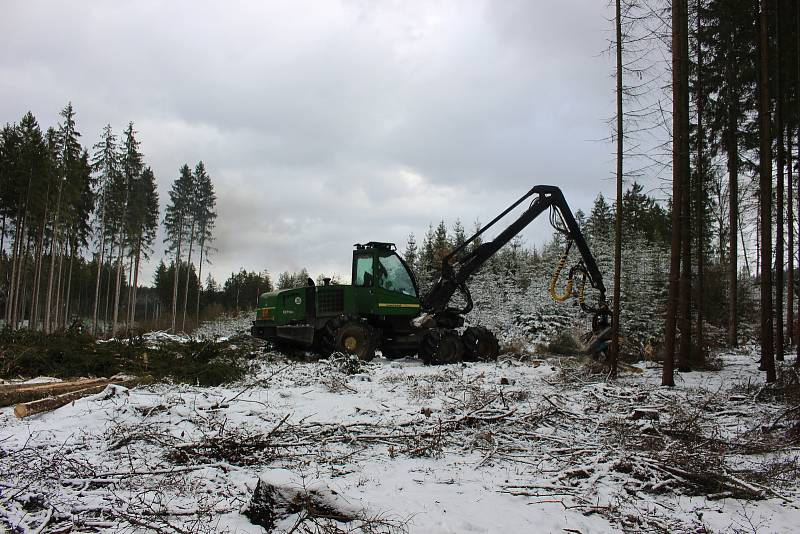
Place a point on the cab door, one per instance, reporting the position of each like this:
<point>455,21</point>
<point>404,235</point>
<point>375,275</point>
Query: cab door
<point>394,290</point>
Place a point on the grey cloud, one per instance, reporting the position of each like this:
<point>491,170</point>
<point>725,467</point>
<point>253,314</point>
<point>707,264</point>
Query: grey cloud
<point>326,123</point>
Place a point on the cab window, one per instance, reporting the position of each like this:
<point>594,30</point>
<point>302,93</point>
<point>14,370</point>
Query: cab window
<point>392,275</point>
<point>363,274</point>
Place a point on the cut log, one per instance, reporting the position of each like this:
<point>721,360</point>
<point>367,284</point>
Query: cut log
<point>51,403</point>
<point>19,393</point>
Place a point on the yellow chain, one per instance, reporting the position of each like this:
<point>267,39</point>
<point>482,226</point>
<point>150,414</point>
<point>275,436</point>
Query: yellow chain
<point>557,274</point>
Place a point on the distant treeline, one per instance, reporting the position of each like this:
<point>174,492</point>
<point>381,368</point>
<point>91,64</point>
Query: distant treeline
<point>75,226</point>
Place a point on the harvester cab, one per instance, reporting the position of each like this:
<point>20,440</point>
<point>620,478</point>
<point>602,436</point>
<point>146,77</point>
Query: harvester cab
<point>377,265</point>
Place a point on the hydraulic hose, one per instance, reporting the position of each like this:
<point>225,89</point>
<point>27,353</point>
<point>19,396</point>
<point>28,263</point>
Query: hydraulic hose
<point>557,274</point>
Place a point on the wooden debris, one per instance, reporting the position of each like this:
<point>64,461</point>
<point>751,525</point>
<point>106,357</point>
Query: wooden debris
<point>644,413</point>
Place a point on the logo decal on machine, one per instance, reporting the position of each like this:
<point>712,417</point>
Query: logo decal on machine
<point>298,300</point>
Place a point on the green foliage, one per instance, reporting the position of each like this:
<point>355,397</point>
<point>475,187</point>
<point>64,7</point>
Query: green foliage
<point>241,290</point>
<point>178,209</point>
<point>564,342</point>
<point>165,278</point>
<point>411,254</point>
<point>287,280</point>
<point>26,353</point>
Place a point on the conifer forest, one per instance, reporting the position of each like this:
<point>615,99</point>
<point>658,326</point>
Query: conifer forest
<point>433,267</point>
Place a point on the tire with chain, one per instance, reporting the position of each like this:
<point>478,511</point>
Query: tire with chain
<point>480,344</point>
<point>441,346</point>
<point>348,335</point>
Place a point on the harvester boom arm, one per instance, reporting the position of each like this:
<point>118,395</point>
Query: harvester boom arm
<point>459,265</point>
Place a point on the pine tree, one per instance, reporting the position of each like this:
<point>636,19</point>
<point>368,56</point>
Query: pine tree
<point>427,260</point>
<point>105,163</point>
<point>601,220</point>
<point>410,253</point>
<point>144,224</point>
<point>458,234</point>
<point>77,217</point>
<point>441,245</point>
<point>68,151</point>
<point>175,220</point>
<point>191,223</point>
<point>131,167</point>
<point>206,217</point>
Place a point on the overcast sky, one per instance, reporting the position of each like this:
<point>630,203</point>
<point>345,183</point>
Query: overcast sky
<point>328,123</point>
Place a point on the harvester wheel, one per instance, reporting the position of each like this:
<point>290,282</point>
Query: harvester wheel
<point>480,344</point>
<point>441,346</point>
<point>350,336</point>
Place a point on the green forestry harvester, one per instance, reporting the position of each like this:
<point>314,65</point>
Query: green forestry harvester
<point>382,308</point>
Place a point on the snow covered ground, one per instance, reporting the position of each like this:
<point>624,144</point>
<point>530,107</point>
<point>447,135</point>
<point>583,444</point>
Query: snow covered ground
<point>529,444</point>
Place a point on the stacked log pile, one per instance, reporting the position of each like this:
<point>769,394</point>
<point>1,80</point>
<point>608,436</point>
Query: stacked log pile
<point>29,399</point>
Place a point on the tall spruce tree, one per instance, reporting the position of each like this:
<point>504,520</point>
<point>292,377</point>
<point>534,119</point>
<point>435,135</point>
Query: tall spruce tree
<point>206,215</point>
<point>175,220</point>
<point>105,164</point>
<point>143,222</point>
<point>68,150</point>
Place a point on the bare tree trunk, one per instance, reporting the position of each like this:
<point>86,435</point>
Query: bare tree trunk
<point>790,239</point>
<point>685,288</point>
<point>14,268</point>
<point>69,285</point>
<point>733,188</point>
<point>797,103</point>
<point>53,248</point>
<point>188,269</point>
<point>136,282</point>
<point>130,295</point>
<point>37,273</point>
<point>23,285</point>
<point>2,243</point>
<point>177,270</point>
<point>700,201</point>
<point>765,182</point>
<point>745,256</point>
<point>779,263</point>
<point>57,306</point>
<point>37,266</point>
<point>20,268</point>
<point>117,287</point>
<point>99,267</point>
<point>614,354</point>
<point>199,282</point>
<point>108,282</point>
<point>679,145</point>
<point>95,307</point>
